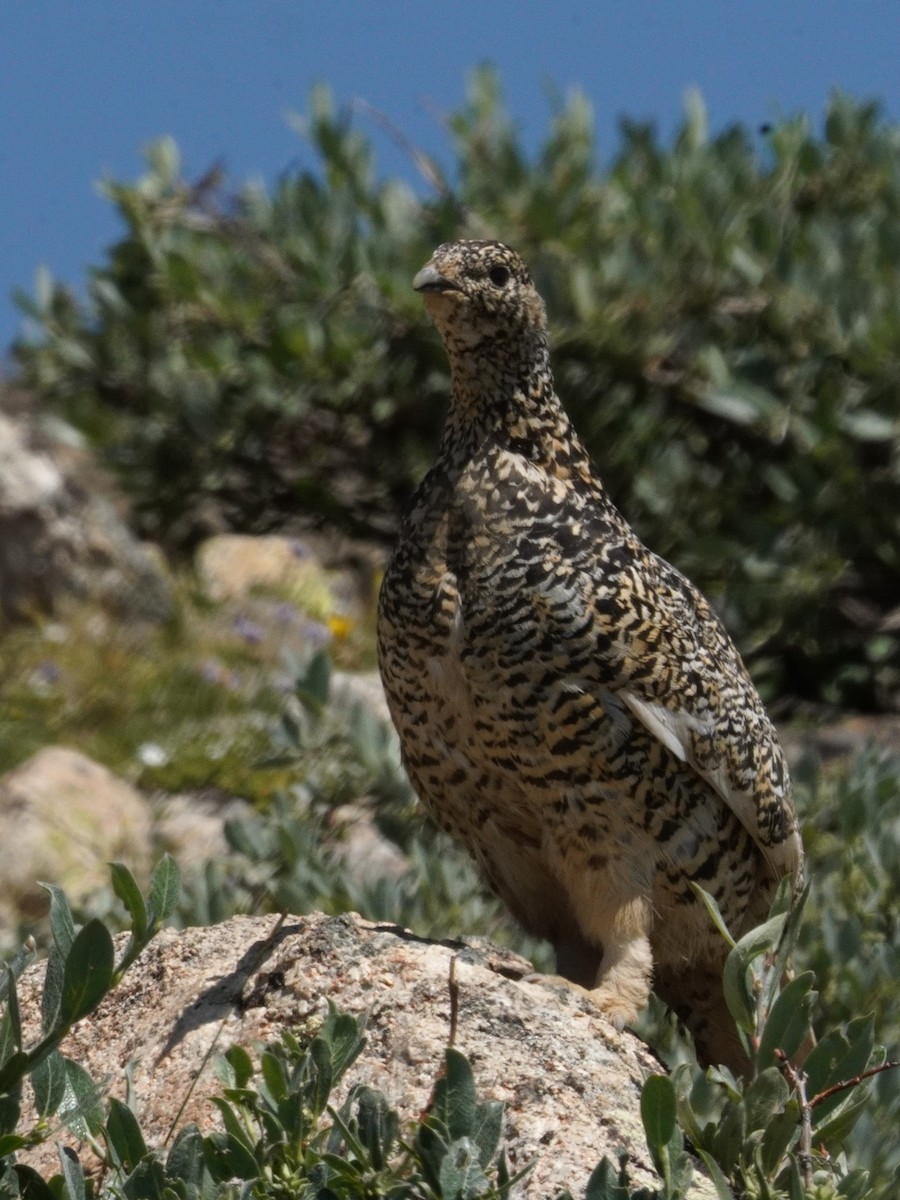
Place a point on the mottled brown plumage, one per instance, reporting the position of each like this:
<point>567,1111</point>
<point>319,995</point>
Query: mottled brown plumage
<point>569,706</point>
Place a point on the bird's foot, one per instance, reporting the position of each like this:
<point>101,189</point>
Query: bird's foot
<point>556,981</point>
<point>622,989</point>
<point>619,1010</point>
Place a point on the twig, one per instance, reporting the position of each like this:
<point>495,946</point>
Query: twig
<point>453,985</point>
<point>797,1080</point>
<point>848,1083</point>
<point>258,959</point>
<point>424,163</point>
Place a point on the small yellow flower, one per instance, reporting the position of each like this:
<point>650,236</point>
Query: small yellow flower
<point>340,626</point>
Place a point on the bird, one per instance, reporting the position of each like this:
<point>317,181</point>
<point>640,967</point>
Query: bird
<point>569,706</point>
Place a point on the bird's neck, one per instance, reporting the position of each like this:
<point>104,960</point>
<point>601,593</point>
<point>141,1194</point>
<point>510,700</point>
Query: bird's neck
<point>508,400</point>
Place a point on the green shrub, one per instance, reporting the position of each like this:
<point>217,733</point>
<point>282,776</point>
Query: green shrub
<point>81,970</point>
<point>726,329</point>
<point>284,1138</point>
<point>851,939</point>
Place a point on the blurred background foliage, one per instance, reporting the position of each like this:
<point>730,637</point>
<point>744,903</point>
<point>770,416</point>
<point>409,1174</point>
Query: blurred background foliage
<point>725,319</point>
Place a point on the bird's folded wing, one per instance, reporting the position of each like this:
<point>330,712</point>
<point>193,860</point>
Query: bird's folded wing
<point>679,730</point>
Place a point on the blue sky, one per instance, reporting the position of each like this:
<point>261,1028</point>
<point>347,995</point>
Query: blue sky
<point>85,84</point>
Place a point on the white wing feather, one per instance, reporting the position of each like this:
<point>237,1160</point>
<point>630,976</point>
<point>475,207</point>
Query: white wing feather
<point>675,729</point>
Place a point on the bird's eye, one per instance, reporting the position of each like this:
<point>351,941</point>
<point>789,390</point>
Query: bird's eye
<point>499,276</point>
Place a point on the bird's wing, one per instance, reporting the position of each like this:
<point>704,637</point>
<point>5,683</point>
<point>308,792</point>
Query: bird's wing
<point>678,731</point>
<point>710,716</point>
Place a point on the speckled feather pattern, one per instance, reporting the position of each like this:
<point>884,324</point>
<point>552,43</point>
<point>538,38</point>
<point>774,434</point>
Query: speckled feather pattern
<point>569,706</point>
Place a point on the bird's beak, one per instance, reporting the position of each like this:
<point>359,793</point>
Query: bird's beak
<point>429,279</point>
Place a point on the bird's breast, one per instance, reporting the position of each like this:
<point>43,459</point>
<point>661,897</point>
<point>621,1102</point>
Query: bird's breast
<point>496,570</point>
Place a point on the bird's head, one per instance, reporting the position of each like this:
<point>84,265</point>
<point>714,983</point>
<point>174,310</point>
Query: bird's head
<point>480,295</point>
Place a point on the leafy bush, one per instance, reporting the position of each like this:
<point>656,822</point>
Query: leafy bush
<point>781,1133</point>
<point>726,327</point>
<point>851,938</point>
<point>286,1139</point>
<point>81,970</point>
<point>283,1138</point>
